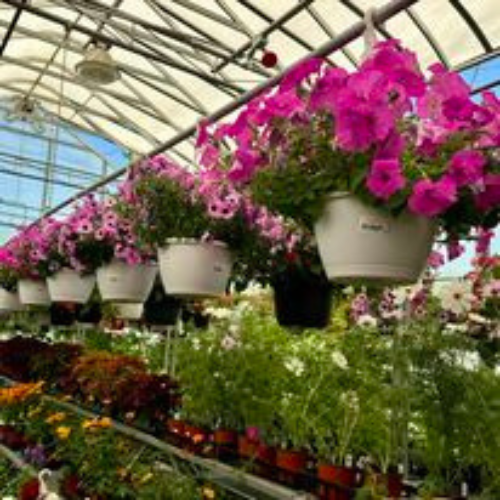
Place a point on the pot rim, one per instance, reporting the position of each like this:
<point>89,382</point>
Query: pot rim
<point>192,241</point>
<point>116,260</point>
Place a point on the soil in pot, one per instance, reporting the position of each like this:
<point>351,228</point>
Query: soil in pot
<point>302,299</point>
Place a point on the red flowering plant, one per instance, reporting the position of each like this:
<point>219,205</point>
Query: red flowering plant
<point>386,133</point>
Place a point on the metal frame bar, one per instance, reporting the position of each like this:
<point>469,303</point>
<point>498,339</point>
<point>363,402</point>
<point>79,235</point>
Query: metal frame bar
<point>59,167</point>
<point>171,18</point>
<point>124,46</point>
<point>10,29</point>
<point>426,33</point>
<point>276,24</point>
<point>472,24</point>
<point>380,16</point>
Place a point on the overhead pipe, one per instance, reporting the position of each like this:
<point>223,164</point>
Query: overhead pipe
<point>380,16</point>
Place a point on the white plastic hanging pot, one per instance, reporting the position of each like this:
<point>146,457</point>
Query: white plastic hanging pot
<point>9,301</point>
<point>129,310</point>
<point>69,286</point>
<point>33,292</point>
<point>191,268</point>
<point>121,282</point>
<point>358,243</point>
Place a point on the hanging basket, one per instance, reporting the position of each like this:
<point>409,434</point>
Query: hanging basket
<point>302,299</point>
<point>358,243</point>
<point>9,301</point>
<point>129,310</point>
<point>33,292</point>
<point>191,268</point>
<point>121,282</point>
<point>69,286</point>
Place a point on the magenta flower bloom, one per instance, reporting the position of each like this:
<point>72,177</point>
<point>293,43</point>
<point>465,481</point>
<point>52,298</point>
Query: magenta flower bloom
<point>385,178</point>
<point>246,162</point>
<point>435,260</point>
<point>210,156</point>
<point>432,198</point>
<point>489,197</point>
<point>325,91</point>
<point>466,167</point>
<point>299,73</point>
<point>454,249</point>
<point>360,125</point>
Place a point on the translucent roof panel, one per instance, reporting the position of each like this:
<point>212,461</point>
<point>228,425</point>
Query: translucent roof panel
<point>181,60</point>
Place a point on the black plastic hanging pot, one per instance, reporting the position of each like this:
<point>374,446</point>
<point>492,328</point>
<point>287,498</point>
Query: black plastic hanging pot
<point>302,299</point>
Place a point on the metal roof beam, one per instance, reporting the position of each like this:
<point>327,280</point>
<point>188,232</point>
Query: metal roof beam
<point>426,33</point>
<point>274,25</point>
<point>380,16</point>
<point>472,24</point>
<point>168,61</point>
<point>10,29</point>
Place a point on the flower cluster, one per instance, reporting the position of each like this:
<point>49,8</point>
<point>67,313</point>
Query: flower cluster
<point>30,249</point>
<point>164,200</point>
<point>90,236</point>
<point>470,304</point>
<point>8,266</point>
<point>385,132</point>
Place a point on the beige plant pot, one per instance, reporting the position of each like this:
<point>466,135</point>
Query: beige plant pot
<point>190,268</point>
<point>9,301</point>
<point>358,243</point>
<point>33,292</point>
<point>69,286</point>
<point>120,282</point>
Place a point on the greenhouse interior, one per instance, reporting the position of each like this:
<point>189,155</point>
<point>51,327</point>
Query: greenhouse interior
<point>249,249</point>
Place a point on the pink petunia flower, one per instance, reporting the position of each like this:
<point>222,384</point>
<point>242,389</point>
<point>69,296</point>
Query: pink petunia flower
<point>385,178</point>
<point>431,198</point>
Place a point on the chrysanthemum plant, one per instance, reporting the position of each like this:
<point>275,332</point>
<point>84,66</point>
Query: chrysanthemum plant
<point>386,133</point>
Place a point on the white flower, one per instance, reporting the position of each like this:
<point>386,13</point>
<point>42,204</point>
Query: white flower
<point>253,290</point>
<point>367,320</point>
<point>456,327</point>
<point>456,297</point>
<point>219,312</point>
<point>469,360</point>
<point>196,344</point>
<point>229,343</point>
<point>295,365</point>
<point>478,319</point>
<point>339,359</point>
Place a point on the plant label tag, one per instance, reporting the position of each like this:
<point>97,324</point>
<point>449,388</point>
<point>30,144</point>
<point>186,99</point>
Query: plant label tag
<point>373,225</point>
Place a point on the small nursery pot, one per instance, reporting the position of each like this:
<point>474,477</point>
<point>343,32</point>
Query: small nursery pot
<point>225,437</point>
<point>291,460</point>
<point>336,481</point>
<point>247,448</point>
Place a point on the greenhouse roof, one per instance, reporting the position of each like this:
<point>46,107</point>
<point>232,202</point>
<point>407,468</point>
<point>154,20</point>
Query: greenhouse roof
<point>180,60</point>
